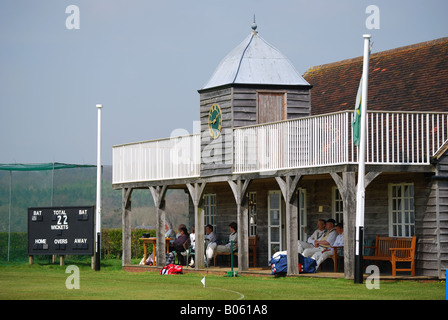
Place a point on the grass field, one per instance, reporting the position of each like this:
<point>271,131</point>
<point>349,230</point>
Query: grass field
<point>20,281</point>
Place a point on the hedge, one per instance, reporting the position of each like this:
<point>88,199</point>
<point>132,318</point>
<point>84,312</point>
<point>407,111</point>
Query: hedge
<point>110,244</point>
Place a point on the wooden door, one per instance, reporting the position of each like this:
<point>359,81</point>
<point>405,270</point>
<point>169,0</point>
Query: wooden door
<point>275,236</point>
<point>271,106</point>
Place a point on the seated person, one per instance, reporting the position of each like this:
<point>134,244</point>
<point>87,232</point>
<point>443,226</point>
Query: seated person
<point>317,235</point>
<point>325,242</point>
<point>192,240</point>
<point>181,226</point>
<point>339,242</point>
<point>209,234</point>
<point>181,244</point>
<point>213,246</point>
<point>174,236</point>
<point>209,237</point>
<point>170,234</point>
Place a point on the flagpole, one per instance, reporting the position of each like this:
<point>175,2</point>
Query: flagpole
<point>360,194</point>
<point>98,193</point>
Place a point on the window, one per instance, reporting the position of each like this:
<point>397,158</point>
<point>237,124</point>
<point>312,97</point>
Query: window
<point>401,210</point>
<point>252,213</point>
<point>209,206</point>
<point>337,204</point>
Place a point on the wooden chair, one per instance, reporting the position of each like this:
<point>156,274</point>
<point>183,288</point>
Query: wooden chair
<point>253,241</point>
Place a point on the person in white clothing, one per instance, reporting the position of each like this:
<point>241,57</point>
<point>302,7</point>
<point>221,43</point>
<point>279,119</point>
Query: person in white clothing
<point>192,238</point>
<point>317,235</point>
<point>209,234</point>
<point>324,243</point>
<point>210,237</point>
<point>321,256</point>
<point>224,248</point>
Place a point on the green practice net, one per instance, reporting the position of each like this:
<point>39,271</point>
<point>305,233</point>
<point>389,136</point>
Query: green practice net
<point>28,185</point>
<point>41,166</point>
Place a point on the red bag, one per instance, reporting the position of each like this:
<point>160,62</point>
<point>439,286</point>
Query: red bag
<point>171,269</point>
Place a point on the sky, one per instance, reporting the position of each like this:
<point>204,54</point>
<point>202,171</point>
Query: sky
<point>144,61</point>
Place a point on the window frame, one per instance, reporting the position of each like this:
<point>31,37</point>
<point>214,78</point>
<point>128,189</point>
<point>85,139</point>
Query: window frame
<point>400,213</point>
<point>334,199</point>
<point>252,211</point>
<point>209,208</point>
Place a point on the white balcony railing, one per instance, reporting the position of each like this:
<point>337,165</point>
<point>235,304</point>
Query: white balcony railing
<point>392,138</point>
<point>409,138</point>
<point>170,158</point>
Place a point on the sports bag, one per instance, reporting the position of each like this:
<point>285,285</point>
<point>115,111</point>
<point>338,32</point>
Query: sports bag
<point>279,263</point>
<point>171,269</point>
<point>307,264</point>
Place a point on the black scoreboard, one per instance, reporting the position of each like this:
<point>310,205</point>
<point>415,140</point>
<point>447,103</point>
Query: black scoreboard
<point>61,231</point>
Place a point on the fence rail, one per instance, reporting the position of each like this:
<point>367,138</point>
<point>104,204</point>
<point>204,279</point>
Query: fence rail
<point>392,138</point>
<point>410,138</point>
<point>170,158</point>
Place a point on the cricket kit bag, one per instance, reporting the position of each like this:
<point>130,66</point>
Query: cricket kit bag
<point>306,264</point>
<point>171,269</point>
<point>279,263</point>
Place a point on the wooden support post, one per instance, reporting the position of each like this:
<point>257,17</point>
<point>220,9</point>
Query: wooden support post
<point>196,190</point>
<point>289,188</point>
<point>61,260</point>
<point>347,188</point>
<point>239,188</point>
<point>158,195</point>
<point>126,222</point>
<point>31,259</point>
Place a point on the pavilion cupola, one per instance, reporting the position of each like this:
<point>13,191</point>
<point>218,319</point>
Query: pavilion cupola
<point>254,84</point>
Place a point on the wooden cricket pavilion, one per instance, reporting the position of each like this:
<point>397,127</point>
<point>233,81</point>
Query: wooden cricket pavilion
<point>275,153</point>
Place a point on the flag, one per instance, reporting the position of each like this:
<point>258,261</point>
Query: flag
<point>203,281</point>
<point>357,117</point>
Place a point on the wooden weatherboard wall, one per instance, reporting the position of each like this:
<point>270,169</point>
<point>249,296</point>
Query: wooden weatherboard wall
<point>216,154</point>
<point>245,104</point>
<point>440,211</point>
<point>239,107</point>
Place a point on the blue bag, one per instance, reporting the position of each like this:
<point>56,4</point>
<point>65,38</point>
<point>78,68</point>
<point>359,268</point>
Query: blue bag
<point>308,264</point>
<point>278,263</point>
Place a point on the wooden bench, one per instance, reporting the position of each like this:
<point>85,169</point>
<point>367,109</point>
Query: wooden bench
<point>395,250</point>
<point>253,240</point>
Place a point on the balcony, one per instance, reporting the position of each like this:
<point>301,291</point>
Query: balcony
<point>169,158</point>
<point>393,138</point>
<point>409,138</point>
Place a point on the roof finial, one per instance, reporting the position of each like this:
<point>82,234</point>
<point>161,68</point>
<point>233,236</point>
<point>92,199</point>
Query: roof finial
<point>254,26</point>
